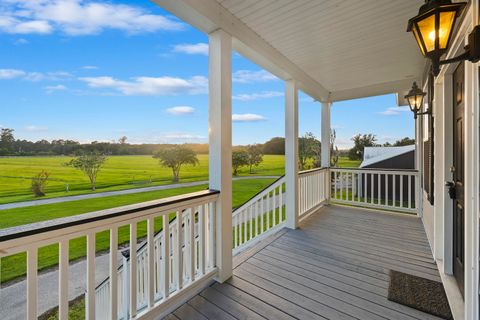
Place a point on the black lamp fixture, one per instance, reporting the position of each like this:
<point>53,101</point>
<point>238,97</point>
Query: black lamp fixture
<point>415,100</point>
<point>433,28</point>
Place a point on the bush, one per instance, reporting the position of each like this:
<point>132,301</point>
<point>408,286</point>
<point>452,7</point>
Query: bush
<point>39,182</point>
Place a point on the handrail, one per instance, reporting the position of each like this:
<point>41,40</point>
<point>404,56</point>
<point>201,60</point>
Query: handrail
<point>259,193</point>
<point>391,189</point>
<point>61,223</point>
<point>304,172</point>
<point>373,169</point>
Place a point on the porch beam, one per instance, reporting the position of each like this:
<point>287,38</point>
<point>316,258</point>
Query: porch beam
<point>291,153</point>
<point>220,145</point>
<point>326,106</point>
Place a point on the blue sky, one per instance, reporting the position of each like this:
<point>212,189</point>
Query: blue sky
<point>98,70</point>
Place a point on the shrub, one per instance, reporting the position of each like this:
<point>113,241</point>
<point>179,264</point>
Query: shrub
<point>39,182</point>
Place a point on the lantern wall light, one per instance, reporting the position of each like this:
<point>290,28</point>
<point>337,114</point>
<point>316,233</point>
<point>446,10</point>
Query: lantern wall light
<point>415,101</point>
<point>433,28</point>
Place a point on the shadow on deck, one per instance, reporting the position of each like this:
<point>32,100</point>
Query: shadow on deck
<point>335,266</point>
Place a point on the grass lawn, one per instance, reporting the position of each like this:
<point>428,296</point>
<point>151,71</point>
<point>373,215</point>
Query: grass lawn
<point>344,162</point>
<point>14,266</point>
<point>119,172</point>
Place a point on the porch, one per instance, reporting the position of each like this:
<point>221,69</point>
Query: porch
<point>335,266</point>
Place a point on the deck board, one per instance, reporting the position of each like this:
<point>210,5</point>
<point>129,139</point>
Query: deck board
<point>335,266</point>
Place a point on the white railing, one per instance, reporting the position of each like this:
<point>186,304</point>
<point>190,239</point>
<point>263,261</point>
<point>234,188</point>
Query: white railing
<point>260,216</point>
<point>102,290</point>
<point>313,186</point>
<point>149,283</point>
<point>378,188</point>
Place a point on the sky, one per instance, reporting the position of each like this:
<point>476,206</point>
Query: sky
<point>99,70</point>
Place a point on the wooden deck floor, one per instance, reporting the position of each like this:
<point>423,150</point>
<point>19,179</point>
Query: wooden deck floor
<point>335,266</point>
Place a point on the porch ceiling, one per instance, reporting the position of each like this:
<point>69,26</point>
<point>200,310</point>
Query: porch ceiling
<point>352,48</point>
<point>349,48</point>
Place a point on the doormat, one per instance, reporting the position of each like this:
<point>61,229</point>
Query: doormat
<point>419,293</point>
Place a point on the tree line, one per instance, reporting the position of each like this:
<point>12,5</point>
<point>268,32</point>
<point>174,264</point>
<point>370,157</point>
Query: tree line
<point>10,146</point>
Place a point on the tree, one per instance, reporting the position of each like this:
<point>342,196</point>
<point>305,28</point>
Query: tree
<point>90,164</point>
<point>360,142</point>
<point>274,146</point>
<point>6,140</point>
<point>174,157</point>
<point>239,159</point>
<point>39,182</point>
<point>404,142</point>
<point>122,140</point>
<point>308,148</point>
<point>334,154</point>
<point>255,156</point>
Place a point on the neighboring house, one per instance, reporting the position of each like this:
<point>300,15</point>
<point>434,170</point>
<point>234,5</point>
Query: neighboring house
<point>388,159</point>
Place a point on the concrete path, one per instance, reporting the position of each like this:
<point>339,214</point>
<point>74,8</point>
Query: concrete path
<point>115,193</point>
<point>13,298</point>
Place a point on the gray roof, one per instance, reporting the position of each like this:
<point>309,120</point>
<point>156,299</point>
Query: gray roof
<point>373,155</point>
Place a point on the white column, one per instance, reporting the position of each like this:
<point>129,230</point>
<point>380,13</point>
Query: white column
<point>326,134</point>
<point>291,153</point>
<point>220,145</point>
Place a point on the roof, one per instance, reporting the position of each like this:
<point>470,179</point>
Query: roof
<point>351,49</point>
<point>373,155</point>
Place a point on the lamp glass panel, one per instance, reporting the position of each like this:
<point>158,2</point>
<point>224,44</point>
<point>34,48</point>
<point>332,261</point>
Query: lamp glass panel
<point>427,30</point>
<point>415,102</point>
<point>418,38</point>
<point>447,19</point>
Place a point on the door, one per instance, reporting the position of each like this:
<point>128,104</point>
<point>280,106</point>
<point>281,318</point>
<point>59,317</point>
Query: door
<point>458,175</point>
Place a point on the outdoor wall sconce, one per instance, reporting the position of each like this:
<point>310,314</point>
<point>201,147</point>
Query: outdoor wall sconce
<point>433,28</point>
<point>415,100</point>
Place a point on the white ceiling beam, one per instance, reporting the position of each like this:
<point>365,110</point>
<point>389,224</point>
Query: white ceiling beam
<point>399,86</point>
<point>209,15</point>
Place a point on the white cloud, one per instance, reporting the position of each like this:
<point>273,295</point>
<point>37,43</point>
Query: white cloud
<point>11,74</point>
<point>249,76</point>
<point>183,136</point>
<point>192,48</point>
<point>151,86</point>
<point>20,41</point>
<point>90,67</point>
<point>257,96</point>
<point>247,117</point>
<point>52,89</point>
<point>7,74</point>
<point>181,110</point>
<point>79,17</point>
<point>33,128</point>
<point>394,111</point>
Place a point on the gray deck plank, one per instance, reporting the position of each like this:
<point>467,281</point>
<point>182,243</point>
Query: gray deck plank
<point>331,306</point>
<point>377,264</point>
<point>366,254</point>
<point>186,312</point>
<point>338,274</point>
<point>208,309</point>
<point>229,305</point>
<point>278,300</point>
<point>335,266</point>
<point>347,293</point>
<point>252,302</point>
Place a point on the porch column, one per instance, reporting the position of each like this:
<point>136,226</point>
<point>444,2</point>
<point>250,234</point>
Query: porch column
<point>326,146</point>
<point>326,134</point>
<point>291,153</point>
<point>220,145</point>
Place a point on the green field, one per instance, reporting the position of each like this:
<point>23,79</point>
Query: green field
<point>119,172</point>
